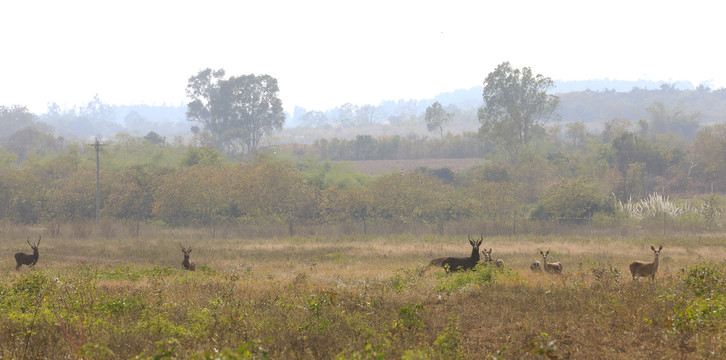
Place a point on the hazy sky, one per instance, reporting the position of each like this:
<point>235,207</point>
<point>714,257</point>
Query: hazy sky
<point>326,53</point>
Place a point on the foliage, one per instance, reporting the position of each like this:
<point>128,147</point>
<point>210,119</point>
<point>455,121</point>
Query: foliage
<point>408,197</point>
<point>572,200</point>
<point>457,281</point>
<point>238,111</point>
<point>707,160</point>
<point>436,117</point>
<point>191,195</point>
<point>704,280</point>
<point>203,156</point>
<point>268,191</point>
<point>516,105</point>
<point>15,118</point>
<point>705,307</point>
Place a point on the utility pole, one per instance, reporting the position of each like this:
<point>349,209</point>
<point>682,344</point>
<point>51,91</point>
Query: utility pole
<point>97,144</point>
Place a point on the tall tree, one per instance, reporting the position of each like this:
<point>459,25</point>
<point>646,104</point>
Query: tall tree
<point>516,105</point>
<point>663,120</point>
<point>14,118</point>
<point>238,111</point>
<point>436,118</point>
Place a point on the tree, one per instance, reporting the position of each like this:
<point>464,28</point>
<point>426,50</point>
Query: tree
<point>436,118</point>
<point>314,119</point>
<point>663,120</point>
<point>97,110</point>
<point>15,118</point>
<point>576,134</point>
<point>346,115</point>
<point>516,105</point>
<point>238,111</point>
<point>204,156</point>
<point>571,201</point>
<point>635,158</point>
<point>709,162</point>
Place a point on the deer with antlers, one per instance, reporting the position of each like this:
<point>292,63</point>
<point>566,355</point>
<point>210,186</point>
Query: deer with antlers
<point>186,264</point>
<point>646,269</point>
<point>451,264</point>
<point>22,258</point>
<point>555,268</point>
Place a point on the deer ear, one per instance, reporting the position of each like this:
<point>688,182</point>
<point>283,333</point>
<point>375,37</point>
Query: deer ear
<point>541,253</point>
<point>652,247</point>
<point>660,247</point>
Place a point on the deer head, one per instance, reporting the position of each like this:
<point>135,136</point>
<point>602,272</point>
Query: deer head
<point>188,265</point>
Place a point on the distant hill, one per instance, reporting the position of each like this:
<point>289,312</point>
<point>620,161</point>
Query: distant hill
<point>589,101</point>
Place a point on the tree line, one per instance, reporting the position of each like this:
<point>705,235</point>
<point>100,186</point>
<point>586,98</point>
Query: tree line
<point>527,160</point>
<point>562,177</point>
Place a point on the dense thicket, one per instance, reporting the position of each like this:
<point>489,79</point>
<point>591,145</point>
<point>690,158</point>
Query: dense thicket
<point>562,177</point>
<point>567,171</point>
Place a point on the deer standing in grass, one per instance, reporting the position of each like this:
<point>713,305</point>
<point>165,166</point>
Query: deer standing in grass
<point>22,258</point>
<point>555,268</point>
<point>188,265</point>
<point>488,258</point>
<point>641,268</point>
<point>451,264</point>
<point>535,266</point>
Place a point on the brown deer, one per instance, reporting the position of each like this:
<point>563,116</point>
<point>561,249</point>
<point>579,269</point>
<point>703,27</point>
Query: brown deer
<point>22,258</point>
<point>488,258</point>
<point>535,266</point>
<point>451,264</point>
<point>188,265</point>
<point>555,268</point>
<point>641,268</point>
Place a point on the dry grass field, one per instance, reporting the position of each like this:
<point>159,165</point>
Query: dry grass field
<point>356,297</point>
<point>377,167</point>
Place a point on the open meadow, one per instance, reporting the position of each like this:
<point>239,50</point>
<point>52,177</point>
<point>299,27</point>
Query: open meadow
<point>359,297</point>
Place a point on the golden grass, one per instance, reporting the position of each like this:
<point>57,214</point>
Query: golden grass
<point>313,297</point>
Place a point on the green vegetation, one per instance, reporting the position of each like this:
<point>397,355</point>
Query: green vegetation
<point>361,298</point>
<point>300,256</point>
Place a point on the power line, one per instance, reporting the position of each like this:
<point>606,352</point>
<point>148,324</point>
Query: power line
<point>97,144</point>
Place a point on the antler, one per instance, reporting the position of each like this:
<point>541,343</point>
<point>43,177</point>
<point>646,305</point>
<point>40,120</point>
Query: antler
<point>28,241</point>
<point>38,244</point>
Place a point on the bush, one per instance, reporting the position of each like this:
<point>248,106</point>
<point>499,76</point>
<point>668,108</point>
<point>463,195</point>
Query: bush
<point>572,200</point>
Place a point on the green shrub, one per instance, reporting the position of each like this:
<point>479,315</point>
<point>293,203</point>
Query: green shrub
<point>480,275</point>
<point>572,200</point>
<point>709,312</point>
<point>704,280</point>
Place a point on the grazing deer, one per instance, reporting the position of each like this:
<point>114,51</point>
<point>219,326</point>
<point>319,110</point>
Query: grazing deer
<point>555,268</point>
<point>535,266</point>
<point>28,259</point>
<point>456,264</point>
<point>188,265</point>
<point>641,268</point>
<point>488,258</point>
